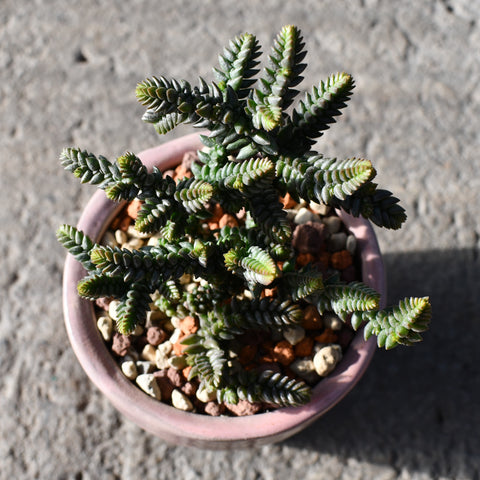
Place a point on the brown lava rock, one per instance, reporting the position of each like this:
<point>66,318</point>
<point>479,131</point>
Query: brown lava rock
<point>155,336</point>
<point>309,237</point>
<point>121,344</point>
<point>243,407</point>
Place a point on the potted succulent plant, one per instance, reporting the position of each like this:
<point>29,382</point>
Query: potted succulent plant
<point>229,265</point>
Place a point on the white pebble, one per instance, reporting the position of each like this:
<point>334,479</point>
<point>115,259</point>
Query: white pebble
<point>135,243</point>
<point>294,335</point>
<point>178,363</point>
<point>326,359</point>
<point>181,401</point>
<point>332,321</point>
<point>144,366</point>
<point>109,239</point>
<point>177,333</point>
<point>129,369</point>
<point>304,215</point>
<point>133,232</point>
<point>112,309</point>
<point>320,208</point>
<point>205,396</point>
<point>121,237</point>
<point>148,383</point>
<point>149,353</point>
<point>162,354</point>
<point>105,326</point>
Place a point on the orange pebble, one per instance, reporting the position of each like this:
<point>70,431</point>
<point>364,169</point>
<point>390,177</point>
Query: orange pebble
<point>283,353</point>
<point>312,320</point>
<point>288,201</point>
<point>178,348</point>
<point>181,172</point>
<point>304,259</point>
<point>133,207</point>
<point>186,372</point>
<point>341,259</point>
<point>304,348</point>
<point>328,336</point>
<point>227,219</point>
<point>188,325</point>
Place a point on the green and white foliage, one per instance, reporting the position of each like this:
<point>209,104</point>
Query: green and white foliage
<point>259,147</point>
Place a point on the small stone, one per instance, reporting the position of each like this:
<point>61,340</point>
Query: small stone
<point>341,260</point>
<point>332,321</point>
<point>312,320</point>
<point>304,215</point>
<point>327,336</point>
<point>162,354</point>
<point>304,368</point>
<point>121,344</point>
<point>166,388</point>
<point>337,241</point>
<point>133,208</point>
<point>138,331</point>
<point>103,303</point>
<point>333,224</point>
<point>243,408</point>
<point>188,388</point>
<point>133,232</point>
<point>121,237</point>
<point>205,396</point>
<point>149,353</point>
<point>156,336</point>
<point>188,325</point>
<point>326,359</point>
<point>283,353</point>
<point>178,363</point>
<point>319,208</point>
<point>304,348</point>
<point>288,201</point>
<point>181,401</point>
<point>309,237</point>
<point>214,409</point>
<point>148,383</point>
<point>134,244</point>
<point>105,326</point>
<point>129,369</point>
<point>109,239</point>
<point>144,366</point>
<point>175,377</point>
<point>294,334</point>
<point>351,244</point>
<point>112,309</point>
<point>229,220</point>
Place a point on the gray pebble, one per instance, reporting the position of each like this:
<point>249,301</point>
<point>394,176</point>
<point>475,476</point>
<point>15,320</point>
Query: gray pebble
<point>337,242</point>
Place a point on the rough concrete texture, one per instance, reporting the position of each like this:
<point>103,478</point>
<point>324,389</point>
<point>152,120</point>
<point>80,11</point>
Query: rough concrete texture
<point>68,71</point>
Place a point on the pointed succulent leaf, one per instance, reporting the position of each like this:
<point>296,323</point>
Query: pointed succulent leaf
<point>78,244</point>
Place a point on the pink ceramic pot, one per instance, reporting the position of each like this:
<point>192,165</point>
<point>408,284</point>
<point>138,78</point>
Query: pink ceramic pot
<point>185,428</point>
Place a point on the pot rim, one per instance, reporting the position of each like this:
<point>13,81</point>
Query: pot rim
<point>190,428</point>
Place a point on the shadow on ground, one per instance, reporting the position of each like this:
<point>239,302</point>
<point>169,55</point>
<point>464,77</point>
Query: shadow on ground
<point>418,409</point>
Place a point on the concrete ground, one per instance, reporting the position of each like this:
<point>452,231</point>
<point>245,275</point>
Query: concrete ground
<point>68,71</point>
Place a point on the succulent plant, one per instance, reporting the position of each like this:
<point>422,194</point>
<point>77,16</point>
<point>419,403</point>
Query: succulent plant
<point>257,151</point>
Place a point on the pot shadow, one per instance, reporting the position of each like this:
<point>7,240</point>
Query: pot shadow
<point>417,408</point>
